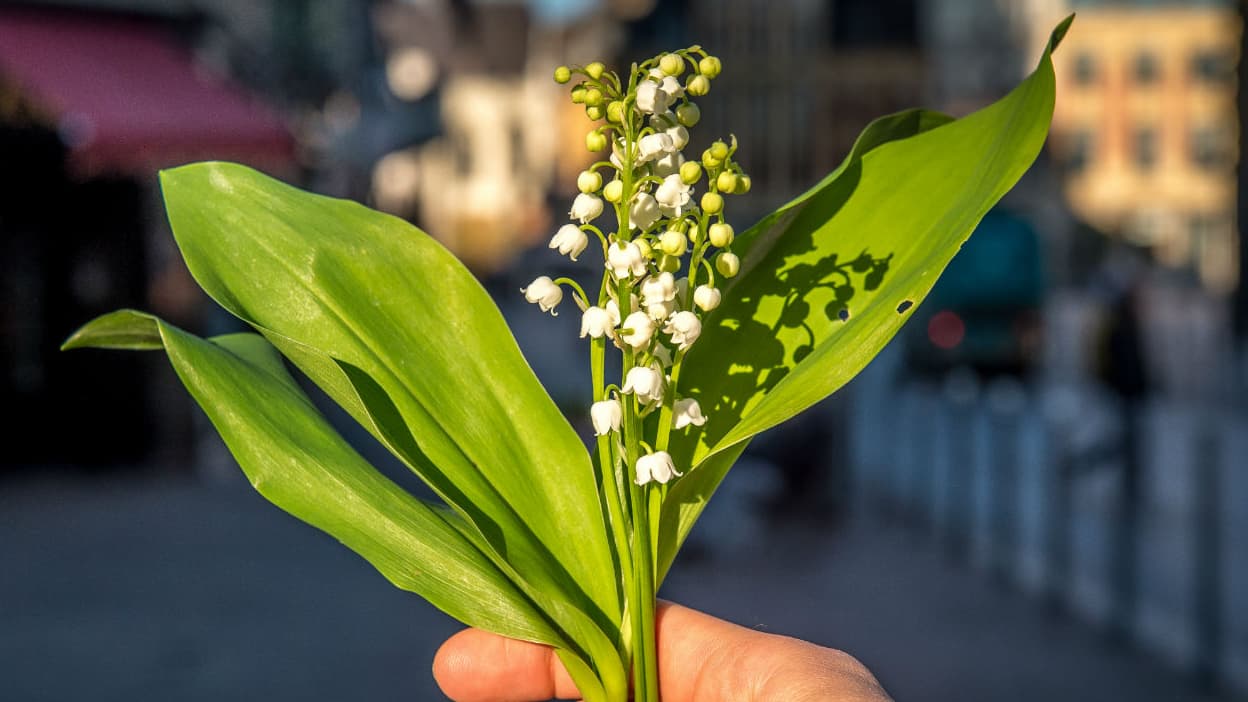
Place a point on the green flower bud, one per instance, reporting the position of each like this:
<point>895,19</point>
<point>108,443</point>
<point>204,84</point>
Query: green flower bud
<point>698,85</point>
<point>613,191</point>
<point>646,251</point>
<point>719,150</point>
<point>721,235</point>
<point>672,65</point>
<point>710,67</point>
<point>615,112</point>
<point>727,264</point>
<point>589,181</point>
<point>595,141</point>
<point>594,112</point>
<point>690,172</point>
<point>595,69</point>
<point>669,264</point>
<point>578,94</point>
<point>563,74</point>
<point>695,235</point>
<point>709,161</point>
<point>726,182</point>
<point>712,203</point>
<point>673,243</point>
<point>593,97</point>
<point>743,185</point>
<point>688,114</point>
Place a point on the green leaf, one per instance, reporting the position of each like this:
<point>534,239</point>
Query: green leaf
<point>828,279</point>
<point>123,329</point>
<point>296,460</point>
<point>395,329</point>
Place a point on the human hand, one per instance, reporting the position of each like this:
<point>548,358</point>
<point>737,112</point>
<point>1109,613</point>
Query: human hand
<point>700,658</point>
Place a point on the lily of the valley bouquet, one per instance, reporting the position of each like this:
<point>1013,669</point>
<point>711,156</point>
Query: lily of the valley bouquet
<point>720,335</point>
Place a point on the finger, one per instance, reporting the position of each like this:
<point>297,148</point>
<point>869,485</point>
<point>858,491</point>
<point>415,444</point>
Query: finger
<point>701,658</point>
<point>704,658</point>
<point>477,666</point>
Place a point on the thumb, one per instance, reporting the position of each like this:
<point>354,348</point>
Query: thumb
<point>700,658</point>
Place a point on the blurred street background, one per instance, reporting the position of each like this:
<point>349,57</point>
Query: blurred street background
<point>1037,492</point>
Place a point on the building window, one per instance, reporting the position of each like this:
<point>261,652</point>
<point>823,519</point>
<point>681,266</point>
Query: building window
<point>1213,66</point>
<point>1146,68</point>
<point>1146,148</point>
<point>1210,148</point>
<point>461,151</point>
<point>1080,150</point>
<point>1085,69</point>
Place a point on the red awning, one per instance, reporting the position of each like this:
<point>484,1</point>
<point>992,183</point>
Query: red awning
<point>126,98</point>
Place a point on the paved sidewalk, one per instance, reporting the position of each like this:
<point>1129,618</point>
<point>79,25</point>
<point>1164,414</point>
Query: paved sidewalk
<point>931,631</point>
<point>145,591</point>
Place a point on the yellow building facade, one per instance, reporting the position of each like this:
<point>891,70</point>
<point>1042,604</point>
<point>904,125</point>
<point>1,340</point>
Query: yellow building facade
<point>1146,130</point>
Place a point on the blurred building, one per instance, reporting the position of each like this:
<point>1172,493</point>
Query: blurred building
<point>92,104</point>
<point>801,79</point>
<point>1146,126</point>
<point>480,186</point>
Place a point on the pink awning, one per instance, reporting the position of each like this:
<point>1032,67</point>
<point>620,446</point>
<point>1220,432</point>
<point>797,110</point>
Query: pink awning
<point>126,98</point>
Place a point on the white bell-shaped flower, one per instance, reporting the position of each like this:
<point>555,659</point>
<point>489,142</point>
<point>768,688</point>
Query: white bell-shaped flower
<point>643,212</point>
<point>637,330</point>
<point>662,355</point>
<point>597,323</point>
<point>674,196</point>
<point>653,146</point>
<point>617,152</point>
<point>613,309</point>
<point>652,98</point>
<point>544,292</point>
<point>625,261</point>
<point>660,311</point>
<point>645,382</point>
<point>606,416</point>
<point>684,328</point>
<point>655,467</point>
<point>679,135</point>
<point>706,298</point>
<point>668,84</point>
<point>661,121</point>
<point>667,123</point>
<point>571,240</point>
<point>685,412</point>
<point>658,288</point>
<point>672,87</point>
<point>586,207</point>
<point>667,165</point>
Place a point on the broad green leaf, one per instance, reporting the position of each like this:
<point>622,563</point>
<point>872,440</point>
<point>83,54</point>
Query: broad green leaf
<point>123,329</point>
<point>828,279</point>
<point>297,461</point>
<point>396,330</point>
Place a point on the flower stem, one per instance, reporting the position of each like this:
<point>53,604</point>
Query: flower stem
<point>575,286</point>
<point>641,594</point>
<point>645,656</point>
<point>609,481</point>
<point>669,400</point>
<point>645,662</point>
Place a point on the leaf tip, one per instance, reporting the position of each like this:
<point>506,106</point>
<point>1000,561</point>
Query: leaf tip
<point>216,173</point>
<point>123,329</point>
<point>1059,32</point>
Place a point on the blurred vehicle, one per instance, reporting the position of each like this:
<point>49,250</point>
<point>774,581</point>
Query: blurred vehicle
<point>984,312</point>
